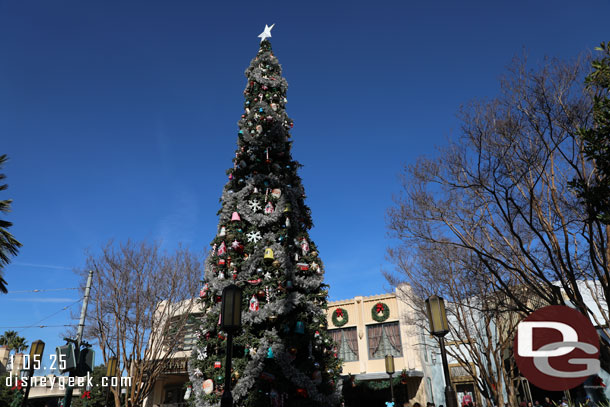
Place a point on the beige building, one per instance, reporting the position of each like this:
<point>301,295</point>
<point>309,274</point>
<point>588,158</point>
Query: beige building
<point>370,328</point>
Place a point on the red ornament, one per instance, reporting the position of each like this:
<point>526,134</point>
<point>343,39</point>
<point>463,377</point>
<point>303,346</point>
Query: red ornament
<point>221,262</point>
<point>216,365</point>
<point>302,393</point>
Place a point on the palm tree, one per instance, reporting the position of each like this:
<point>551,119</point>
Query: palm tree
<point>13,341</point>
<point>8,244</point>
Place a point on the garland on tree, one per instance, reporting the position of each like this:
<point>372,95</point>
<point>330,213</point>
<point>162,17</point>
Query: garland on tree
<point>283,354</point>
<point>340,313</point>
<point>380,312</point>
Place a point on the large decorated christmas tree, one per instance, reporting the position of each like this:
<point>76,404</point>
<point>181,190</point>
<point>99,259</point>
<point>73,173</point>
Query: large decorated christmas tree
<point>283,355</point>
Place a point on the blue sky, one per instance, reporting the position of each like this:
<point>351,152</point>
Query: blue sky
<point>119,118</point>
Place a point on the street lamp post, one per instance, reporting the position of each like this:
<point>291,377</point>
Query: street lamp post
<point>36,351</point>
<point>230,314</point>
<point>439,327</point>
<point>389,368</point>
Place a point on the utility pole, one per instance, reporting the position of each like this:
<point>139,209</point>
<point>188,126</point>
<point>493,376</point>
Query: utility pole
<point>79,337</point>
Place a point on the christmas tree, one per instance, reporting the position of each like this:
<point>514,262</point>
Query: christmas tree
<point>283,355</point>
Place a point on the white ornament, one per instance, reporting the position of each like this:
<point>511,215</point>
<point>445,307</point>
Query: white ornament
<point>254,236</point>
<point>267,276</point>
<point>304,246</point>
<point>266,32</point>
<point>254,205</point>
<point>187,395</point>
<point>253,303</point>
<point>221,275</point>
<point>197,372</point>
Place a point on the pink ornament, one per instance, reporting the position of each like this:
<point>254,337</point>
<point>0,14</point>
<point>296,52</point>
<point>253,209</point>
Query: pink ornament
<point>235,217</point>
<point>269,208</point>
<point>222,249</point>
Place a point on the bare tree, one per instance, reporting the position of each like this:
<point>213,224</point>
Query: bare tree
<point>500,193</point>
<point>479,335</point>
<point>141,299</point>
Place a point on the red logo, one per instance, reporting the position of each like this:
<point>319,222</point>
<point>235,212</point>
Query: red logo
<point>557,348</point>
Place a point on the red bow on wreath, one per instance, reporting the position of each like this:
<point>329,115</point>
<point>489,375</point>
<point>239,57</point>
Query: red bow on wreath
<point>18,386</point>
<point>86,394</point>
<point>379,307</point>
<point>339,312</point>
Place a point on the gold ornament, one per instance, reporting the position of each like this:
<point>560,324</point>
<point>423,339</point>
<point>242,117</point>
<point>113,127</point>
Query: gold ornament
<point>269,254</point>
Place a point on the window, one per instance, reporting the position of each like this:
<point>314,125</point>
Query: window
<point>185,338</point>
<point>384,339</point>
<point>346,340</point>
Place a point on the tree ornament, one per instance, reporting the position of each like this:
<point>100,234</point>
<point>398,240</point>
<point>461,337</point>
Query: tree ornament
<point>287,222</point>
<point>222,249</point>
<point>235,217</point>
<point>276,263</point>
<point>254,205</point>
<point>259,128</point>
<point>303,266</point>
<point>237,246</point>
<point>299,328</point>
<point>208,386</point>
<point>221,275</point>
<point>276,193</point>
<point>380,312</point>
<point>316,267</point>
<point>223,231</point>
<point>253,303</point>
<point>269,353</point>
<point>221,262</point>
<point>269,255</point>
<point>187,394</point>
<point>217,365</point>
<point>304,246</point>
<point>204,290</point>
<point>288,208</point>
<point>269,208</point>
<point>260,294</point>
<point>254,237</point>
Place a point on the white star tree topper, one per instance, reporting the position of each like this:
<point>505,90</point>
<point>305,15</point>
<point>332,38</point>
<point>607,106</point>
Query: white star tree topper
<point>266,33</point>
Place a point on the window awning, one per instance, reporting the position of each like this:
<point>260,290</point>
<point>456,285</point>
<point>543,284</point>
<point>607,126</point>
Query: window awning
<point>384,375</point>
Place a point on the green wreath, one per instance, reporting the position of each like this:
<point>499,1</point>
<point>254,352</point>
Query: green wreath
<point>342,312</point>
<point>380,308</point>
